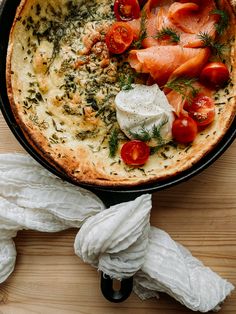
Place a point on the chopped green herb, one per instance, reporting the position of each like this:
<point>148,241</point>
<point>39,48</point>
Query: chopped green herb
<point>39,96</point>
<point>101,110</point>
<point>69,85</point>
<point>143,31</point>
<point>188,148</point>
<point>93,103</point>
<point>38,9</point>
<point>155,149</point>
<point>113,142</point>
<point>217,48</point>
<point>85,134</point>
<point>67,109</point>
<point>126,81</point>
<point>184,86</point>
<point>42,125</point>
<point>143,135</point>
<point>169,33</point>
<point>32,100</point>
<point>142,170</point>
<point>146,136</point>
<point>223,22</point>
<point>156,131</point>
<point>164,155</point>
<point>27,105</point>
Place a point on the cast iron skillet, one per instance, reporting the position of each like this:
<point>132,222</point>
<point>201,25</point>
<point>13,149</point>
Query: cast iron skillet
<point>110,195</point>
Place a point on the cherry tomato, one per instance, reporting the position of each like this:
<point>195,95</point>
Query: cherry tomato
<point>215,74</point>
<point>184,129</point>
<point>126,10</point>
<point>119,37</point>
<point>135,153</point>
<point>202,110</point>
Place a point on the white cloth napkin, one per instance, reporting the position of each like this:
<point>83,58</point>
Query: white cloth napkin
<point>119,240</point>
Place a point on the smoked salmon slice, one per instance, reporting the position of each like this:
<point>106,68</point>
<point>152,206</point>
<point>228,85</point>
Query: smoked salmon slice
<point>181,15</point>
<point>152,6</point>
<point>163,62</point>
<point>187,19</point>
<point>192,19</point>
<point>194,65</point>
<point>177,101</point>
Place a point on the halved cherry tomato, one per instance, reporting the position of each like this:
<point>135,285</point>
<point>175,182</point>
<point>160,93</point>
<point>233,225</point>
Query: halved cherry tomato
<point>215,74</point>
<point>126,10</point>
<point>201,109</point>
<point>184,129</point>
<point>135,153</point>
<point>119,37</point>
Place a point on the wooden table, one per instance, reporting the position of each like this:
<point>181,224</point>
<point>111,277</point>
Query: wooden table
<point>200,214</point>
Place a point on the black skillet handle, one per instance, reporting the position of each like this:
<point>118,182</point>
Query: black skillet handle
<point>126,285</point>
<point>116,296</point>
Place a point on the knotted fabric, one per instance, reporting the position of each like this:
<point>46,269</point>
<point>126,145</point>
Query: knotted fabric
<point>118,241</point>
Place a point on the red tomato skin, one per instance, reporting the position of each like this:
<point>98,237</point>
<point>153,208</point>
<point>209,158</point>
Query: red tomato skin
<point>126,10</point>
<point>119,37</point>
<point>201,110</point>
<point>135,153</point>
<point>184,129</point>
<point>215,75</point>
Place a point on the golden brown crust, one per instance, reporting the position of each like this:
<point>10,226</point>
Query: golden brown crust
<point>81,164</point>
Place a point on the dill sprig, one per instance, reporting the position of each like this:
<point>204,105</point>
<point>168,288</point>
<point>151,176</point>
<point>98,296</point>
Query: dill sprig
<point>156,132</point>
<point>54,34</point>
<point>146,135</point>
<point>113,142</point>
<point>153,134</point>
<point>223,22</point>
<point>126,81</point>
<point>217,48</point>
<point>143,31</point>
<point>143,135</point>
<point>184,86</point>
<point>170,33</point>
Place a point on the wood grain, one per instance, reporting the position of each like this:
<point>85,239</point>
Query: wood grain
<point>200,214</point>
